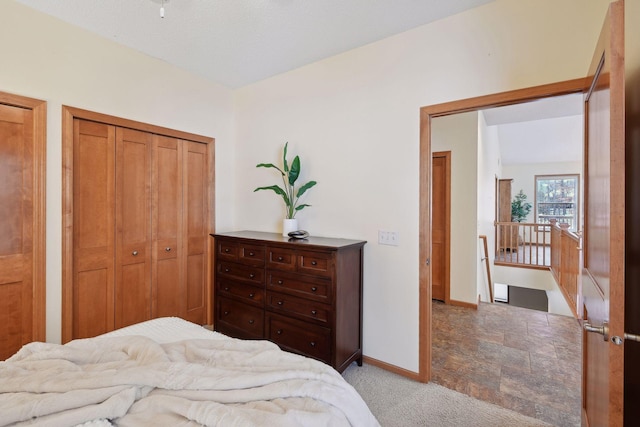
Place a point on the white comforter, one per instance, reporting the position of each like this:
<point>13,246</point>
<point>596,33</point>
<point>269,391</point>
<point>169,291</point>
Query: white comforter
<point>134,381</point>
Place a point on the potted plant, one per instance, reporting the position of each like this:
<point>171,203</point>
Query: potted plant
<point>520,208</point>
<point>291,197</point>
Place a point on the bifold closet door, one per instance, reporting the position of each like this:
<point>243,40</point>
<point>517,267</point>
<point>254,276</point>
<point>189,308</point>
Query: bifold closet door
<point>133,227</point>
<point>93,228</point>
<point>169,290</point>
<point>195,223</point>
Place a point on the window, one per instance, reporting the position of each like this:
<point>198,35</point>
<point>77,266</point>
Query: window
<point>557,198</point>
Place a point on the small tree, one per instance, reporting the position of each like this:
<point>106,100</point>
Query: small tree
<point>519,207</point>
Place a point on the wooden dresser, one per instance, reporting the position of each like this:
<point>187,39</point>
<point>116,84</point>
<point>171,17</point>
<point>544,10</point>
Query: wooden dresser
<point>304,295</point>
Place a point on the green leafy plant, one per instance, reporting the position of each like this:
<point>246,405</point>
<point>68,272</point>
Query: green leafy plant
<point>520,208</point>
<point>290,175</point>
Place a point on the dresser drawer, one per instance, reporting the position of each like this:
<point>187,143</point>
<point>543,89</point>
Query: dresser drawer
<point>240,252</point>
<point>248,293</point>
<point>281,259</point>
<point>237,315</point>
<point>241,272</point>
<point>299,337</point>
<point>316,263</point>
<point>299,307</point>
<point>316,288</point>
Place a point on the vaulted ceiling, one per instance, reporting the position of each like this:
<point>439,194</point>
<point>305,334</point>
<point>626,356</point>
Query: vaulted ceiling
<point>238,42</point>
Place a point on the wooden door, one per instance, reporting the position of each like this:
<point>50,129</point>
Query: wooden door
<point>93,231</point>
<point>604,233</point>
<point>133,227</point>
<point>195,225</point>
<point>440,223</point>
<point>19,219</point>
<point>505,242</point>
<point>169,292</point>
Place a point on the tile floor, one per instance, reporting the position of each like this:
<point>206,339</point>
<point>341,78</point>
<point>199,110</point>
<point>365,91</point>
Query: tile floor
<point>524,360</point>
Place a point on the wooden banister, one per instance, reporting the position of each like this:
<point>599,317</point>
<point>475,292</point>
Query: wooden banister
<point>565,265</point>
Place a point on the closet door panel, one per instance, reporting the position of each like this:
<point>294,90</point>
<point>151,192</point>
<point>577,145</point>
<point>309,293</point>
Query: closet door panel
<point>133,227</point>
<point>169,288</point>
<point>16,228</point>
<point>93,231</point>
<point>195,223</point>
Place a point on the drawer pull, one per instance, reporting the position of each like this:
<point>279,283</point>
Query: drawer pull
<point>313,289</point>
<point>251,276</point>
<point>312,343</point>
<point>251,321</point>
<point>280,282</point>
<point>167,249</point>
<point>280,258</point>
<point>226,270</point>
<point>314,312</point>
<point>251,295</point>
<point>226,288</point>
<point>226,313</point>
<point>226,250</point>
<point>280,302</point>
<point>279,332</point>
<point>134,253</point>
<point>314,262</point>
<point>251,254</point>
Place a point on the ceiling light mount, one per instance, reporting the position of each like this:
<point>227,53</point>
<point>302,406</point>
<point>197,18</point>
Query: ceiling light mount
<point>161,3</point>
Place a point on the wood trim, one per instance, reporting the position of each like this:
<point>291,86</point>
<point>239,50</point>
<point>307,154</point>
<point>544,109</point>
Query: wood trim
<point>391,368</point>
<point>39,287</point>
<point>463,304</point>
<point>68,115</point>
<point>506,98</point>
<point>132,124</point>
<point>67,225</point>
<point>212,229</point>
<point>426,115</point>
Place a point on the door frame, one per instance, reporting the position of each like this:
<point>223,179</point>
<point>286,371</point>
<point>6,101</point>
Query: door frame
<point>68,116</point>
<point>426,115</point>
<point>39,283</point>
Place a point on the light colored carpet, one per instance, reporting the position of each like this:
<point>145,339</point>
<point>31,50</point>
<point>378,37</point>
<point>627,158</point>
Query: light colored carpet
<point>399,401</point>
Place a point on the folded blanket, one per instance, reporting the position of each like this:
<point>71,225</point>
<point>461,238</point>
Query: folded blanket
<point>134,381</point>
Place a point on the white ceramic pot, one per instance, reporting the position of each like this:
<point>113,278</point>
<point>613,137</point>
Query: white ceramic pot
<point>289,225</point>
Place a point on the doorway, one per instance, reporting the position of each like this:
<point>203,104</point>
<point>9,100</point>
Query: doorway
<point>426,233</point>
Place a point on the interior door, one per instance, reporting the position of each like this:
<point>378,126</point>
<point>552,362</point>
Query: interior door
<point>604,229</point>
<point>440,224</point>
<point>16,228</point>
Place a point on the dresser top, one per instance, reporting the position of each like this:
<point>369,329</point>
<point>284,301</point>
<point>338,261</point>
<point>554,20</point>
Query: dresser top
<point>260,236</point>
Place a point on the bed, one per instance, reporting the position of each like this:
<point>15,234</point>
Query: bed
<point>170,372</point>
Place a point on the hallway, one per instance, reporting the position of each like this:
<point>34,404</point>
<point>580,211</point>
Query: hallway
<point>524,360</point>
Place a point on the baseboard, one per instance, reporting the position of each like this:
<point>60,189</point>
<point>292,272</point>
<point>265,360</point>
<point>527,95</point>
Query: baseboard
<point>463,304</point>
<point>391,368</point>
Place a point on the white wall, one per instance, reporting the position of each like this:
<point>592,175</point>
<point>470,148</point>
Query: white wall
<point>46,59</point>
<point>354,119</point>
<point>458,133</point>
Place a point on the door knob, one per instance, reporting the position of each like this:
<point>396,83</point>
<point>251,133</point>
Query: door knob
<point>602,330</point>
